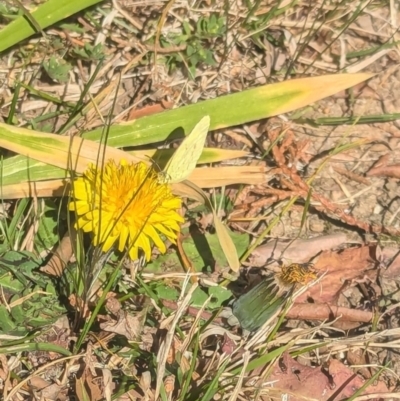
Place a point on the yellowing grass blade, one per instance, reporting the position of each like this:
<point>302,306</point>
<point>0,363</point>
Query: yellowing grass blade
<point>40,186</point>
<point>188,188</point>
<point>20,169</point>
<point>35,189</point>
<point>230,175</point>
<point>65,152</point>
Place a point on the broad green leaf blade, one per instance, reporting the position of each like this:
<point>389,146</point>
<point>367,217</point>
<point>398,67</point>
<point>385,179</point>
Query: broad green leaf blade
<point>45,15</point>
<point>19,169</point>
<point>228,110</point>
<point>225,111</point>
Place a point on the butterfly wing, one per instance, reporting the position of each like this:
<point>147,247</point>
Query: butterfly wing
<point>184,160</point>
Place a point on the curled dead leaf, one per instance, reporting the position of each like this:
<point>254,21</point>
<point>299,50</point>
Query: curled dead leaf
<point>340,268</point>
<point>305,382</point>
<point>126,325</point>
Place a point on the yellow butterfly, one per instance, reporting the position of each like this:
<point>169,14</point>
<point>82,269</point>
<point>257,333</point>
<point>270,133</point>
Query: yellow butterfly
<point>184,160</point>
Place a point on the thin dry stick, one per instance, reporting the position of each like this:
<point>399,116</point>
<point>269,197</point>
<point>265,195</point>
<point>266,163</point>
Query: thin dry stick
<point>159,28</point>
<point>324,311</point>
<point>235,394</point>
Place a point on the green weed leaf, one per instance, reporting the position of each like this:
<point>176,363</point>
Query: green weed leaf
<point>31,296</point>
<point>57,69</point>
<point>219,296</point>
<point>199,297</point>
<point>165,292</point>
<point>47,236</point>
<point>89,52</point>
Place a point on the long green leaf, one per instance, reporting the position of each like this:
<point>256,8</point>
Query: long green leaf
<point>45,15</point>
<point>31,347</point>
<point>226,111</point>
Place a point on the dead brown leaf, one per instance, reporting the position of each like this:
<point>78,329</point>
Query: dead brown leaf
<point>347,382</point>
<point>112,304</point>
<point>37,383</point>
<point>89,387</point>
<point>169,384</point>
<point>389,258</point>
<point>149,110</point>
<point>54,392</point>
<point>127,325</point>
<point>62,255</point>
<point>80,305</point>
<point>298,251</point>
<point>299,381</point>
<point>340,269</point>
<point>306,382</point>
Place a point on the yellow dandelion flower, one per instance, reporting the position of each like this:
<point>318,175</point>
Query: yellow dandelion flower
<point>126,204</point>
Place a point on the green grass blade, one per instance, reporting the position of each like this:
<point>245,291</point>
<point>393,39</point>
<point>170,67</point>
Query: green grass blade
<point>369,382</point>
<point>307,205</point>
<point>13,105</point>
<point>45,96</point>
<point>20,169</point>
<point>30,18</point>
<point>213,387</point>
<point>263,359</point>
<point>189,373</point>
<point>12,230</point>
<point>30,347</point>
<point>337,121</point>
<point>44,15</point>
<point>95,312</point>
